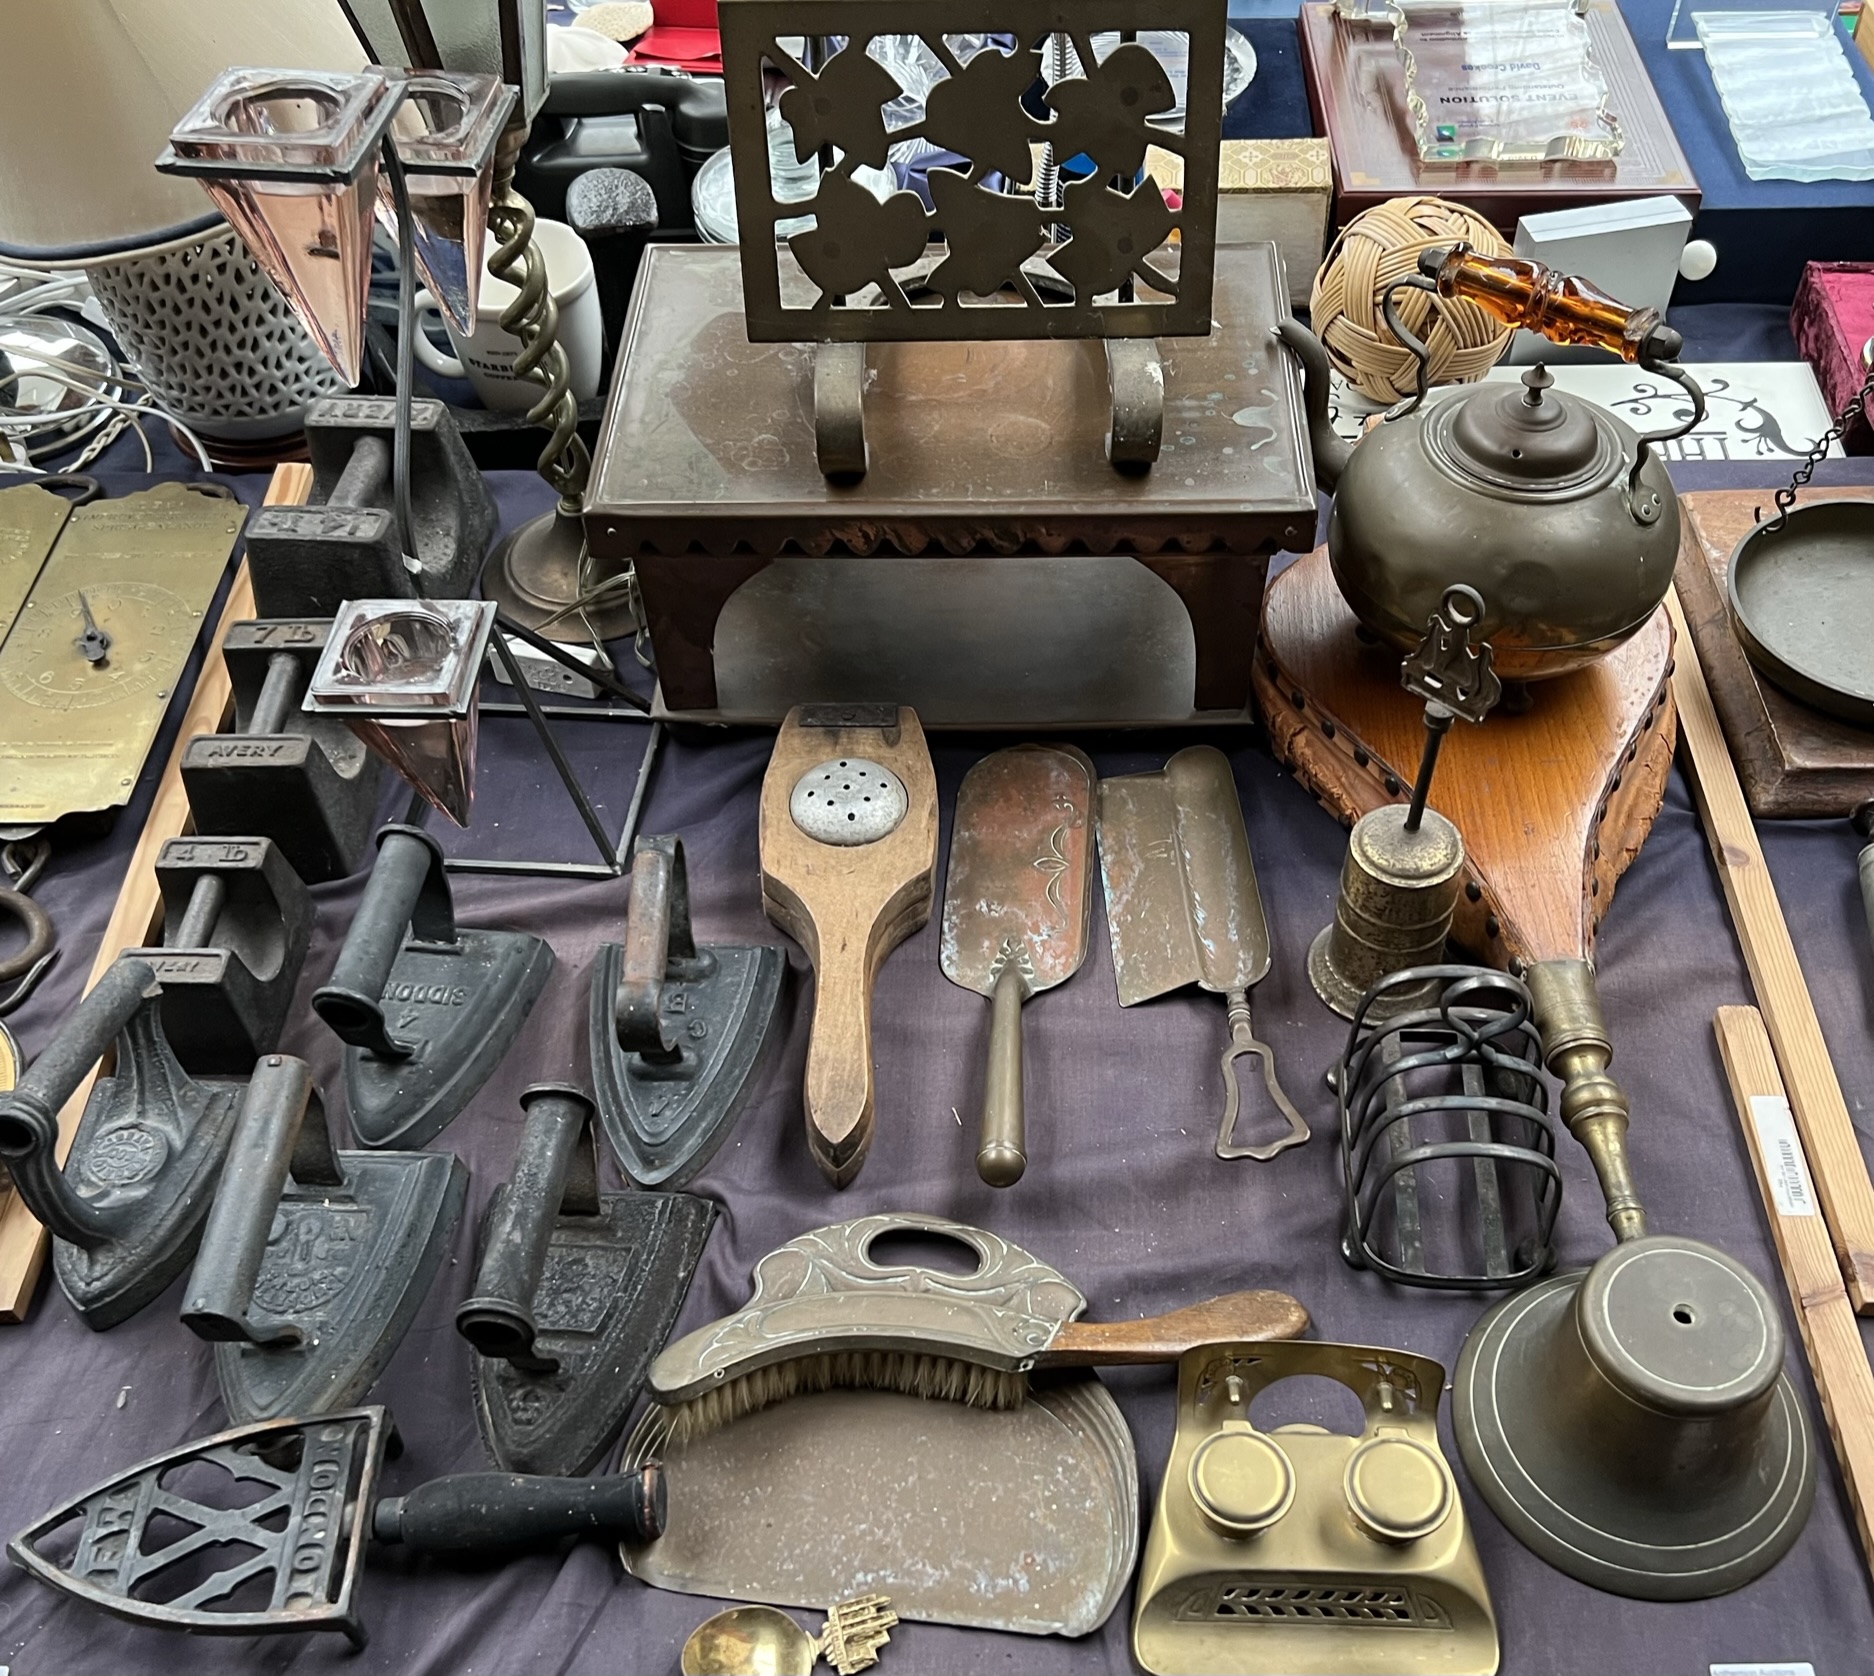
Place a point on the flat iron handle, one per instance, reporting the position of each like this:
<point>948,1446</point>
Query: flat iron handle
<point>1232,1317</point>
<point>88,1031</point>
<point>29,1112</point>
<point>498,1319</point>
<point>1002,1154</point>
<point>658,943</point>
<point>351,1001</point>
<point>234,1238</point>
<point>496,1512</point>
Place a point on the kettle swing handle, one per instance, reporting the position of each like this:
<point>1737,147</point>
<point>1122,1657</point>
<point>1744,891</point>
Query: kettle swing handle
<point>1565,309</point>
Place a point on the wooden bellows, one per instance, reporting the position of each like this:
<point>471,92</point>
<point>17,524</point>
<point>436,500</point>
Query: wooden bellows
<point>847,905</point>
<point>1553,801</point>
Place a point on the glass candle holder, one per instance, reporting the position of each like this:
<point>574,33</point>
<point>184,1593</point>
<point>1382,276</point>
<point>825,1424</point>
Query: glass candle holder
<point>290,157</point>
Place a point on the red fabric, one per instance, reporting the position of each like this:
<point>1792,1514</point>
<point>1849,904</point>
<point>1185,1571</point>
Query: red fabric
<point>679,47</point>
<point>1833,316</point>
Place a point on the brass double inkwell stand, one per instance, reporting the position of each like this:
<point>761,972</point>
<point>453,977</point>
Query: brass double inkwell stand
<point>856,485</point>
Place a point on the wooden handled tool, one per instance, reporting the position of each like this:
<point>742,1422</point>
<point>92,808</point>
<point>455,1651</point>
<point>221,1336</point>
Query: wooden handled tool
<point>848,856</point>
<point>1553,801</point>
<point>1229,1318</point>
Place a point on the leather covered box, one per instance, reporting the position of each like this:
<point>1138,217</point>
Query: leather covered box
<point>1832,318</point>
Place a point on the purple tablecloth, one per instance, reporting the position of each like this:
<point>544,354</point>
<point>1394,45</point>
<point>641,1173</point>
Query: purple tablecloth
<point>1122,1193</point>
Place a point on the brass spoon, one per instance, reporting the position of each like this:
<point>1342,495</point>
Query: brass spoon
<point>762,1641</point>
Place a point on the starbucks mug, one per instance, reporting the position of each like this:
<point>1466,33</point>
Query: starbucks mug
<point>486,357</point>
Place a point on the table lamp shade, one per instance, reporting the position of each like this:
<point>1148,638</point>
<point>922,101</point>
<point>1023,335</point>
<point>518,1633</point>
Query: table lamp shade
<point>505,38</point>
<point>89,91</point>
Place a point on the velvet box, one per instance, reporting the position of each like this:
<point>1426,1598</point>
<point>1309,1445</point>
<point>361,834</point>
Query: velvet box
<point>1833,316</point>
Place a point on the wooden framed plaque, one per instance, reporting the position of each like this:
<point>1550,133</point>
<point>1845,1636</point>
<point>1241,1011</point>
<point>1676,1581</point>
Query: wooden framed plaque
<point>1356,89</point>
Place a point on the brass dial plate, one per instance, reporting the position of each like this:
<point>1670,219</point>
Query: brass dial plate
<point>143,569</point>
<point>30,521</point>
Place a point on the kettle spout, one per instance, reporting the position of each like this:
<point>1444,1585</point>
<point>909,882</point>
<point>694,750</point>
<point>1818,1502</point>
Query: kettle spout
<point>1330,453</point>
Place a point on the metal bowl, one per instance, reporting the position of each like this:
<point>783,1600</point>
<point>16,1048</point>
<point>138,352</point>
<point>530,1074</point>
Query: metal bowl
<point>1802,603</point>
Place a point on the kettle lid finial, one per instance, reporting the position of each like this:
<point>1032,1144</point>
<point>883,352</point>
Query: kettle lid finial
<point>1535,381</point>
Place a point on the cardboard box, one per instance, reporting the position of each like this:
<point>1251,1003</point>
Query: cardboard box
<point>1629,249</point>
<point>1267,189</point>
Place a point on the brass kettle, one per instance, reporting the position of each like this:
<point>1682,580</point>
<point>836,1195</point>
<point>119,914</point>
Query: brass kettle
<point>1558,514</point>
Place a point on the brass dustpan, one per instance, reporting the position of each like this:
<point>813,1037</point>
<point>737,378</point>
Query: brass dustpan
<point>1182,908</point>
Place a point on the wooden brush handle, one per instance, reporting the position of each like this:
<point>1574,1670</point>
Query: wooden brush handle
<point>839,1064</point>
<point>1164,1338</point>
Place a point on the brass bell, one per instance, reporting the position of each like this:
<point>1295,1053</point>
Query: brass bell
<point>1398,891</point>
<point>1399,884</point>
<point>1633,1425</point>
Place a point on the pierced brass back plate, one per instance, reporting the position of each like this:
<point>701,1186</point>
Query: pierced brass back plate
<point>96,650</point>
<point>1305,1550</point>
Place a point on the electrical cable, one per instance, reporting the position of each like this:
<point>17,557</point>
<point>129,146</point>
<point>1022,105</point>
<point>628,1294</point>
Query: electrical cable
<point>109,407</point>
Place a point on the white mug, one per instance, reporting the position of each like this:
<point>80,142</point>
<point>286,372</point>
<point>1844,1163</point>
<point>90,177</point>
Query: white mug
<point>486,358</point>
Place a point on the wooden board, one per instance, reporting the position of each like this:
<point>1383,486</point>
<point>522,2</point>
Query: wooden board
<point>1791,759</point>
<point>1553,802</point>
<point>848,906</point>
<point>1831,1338</point>
<point>1841,1174</point>
<point>136,921</point>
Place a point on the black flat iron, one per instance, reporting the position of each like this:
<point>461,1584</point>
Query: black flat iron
<point>148,1547</point>
<point>576,1293</point>
<point>305,1286</point>
<point>426,1008</point>
<point>125,1211</point>
<point>678,1031</point>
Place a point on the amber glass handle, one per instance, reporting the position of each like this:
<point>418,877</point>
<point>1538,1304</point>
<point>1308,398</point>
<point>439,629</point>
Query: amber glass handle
<point>1563,309</point>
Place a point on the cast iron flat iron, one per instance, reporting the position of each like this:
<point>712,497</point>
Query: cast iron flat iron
<point>306,1286</point>
<point>678,1032</point>
<point>426,1008</point>
<point>125,1211</point>
<point>287,1560</point>
<point>577,1291</point>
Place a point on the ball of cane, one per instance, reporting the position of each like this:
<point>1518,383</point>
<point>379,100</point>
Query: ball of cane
<point>1376,248</point>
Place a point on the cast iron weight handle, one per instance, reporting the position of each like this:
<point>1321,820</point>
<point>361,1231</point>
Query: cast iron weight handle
<point>282,1126</point>
<point>408,891</point>
<point>495,1512</point>
<point>1002,1154</point>
<point>555,1173</point>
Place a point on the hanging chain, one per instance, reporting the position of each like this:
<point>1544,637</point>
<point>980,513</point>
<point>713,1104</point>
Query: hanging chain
<point>1855,408</point>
